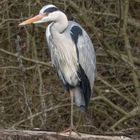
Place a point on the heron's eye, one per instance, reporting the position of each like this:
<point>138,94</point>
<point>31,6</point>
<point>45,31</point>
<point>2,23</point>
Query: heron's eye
<point>46,14</point>
<point>50,10</point>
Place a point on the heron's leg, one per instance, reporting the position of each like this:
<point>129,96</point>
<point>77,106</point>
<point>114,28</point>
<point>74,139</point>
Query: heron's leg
<point>72,127</point>
<point>71,116</point>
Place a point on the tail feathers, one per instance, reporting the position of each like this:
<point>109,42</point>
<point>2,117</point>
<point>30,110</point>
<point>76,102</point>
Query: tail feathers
<point>78,97</point>
<point>83,109</point>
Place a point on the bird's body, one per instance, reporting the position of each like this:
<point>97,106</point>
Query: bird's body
<point>72,54</point>
<point>74,60</point>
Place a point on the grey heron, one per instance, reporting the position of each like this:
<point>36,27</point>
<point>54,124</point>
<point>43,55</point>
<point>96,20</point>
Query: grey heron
<point>72,54</point>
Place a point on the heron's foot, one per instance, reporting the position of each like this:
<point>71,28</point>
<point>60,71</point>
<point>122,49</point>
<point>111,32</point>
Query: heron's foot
<point>71,130</point>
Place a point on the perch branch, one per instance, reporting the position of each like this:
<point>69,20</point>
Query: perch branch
<point>44,135</point>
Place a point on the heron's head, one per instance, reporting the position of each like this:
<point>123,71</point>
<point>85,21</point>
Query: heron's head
<point>49,13</point>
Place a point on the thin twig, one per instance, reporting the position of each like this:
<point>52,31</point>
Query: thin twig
<point>129,115</point>
<point>26,58</point>
<point>40,113</point>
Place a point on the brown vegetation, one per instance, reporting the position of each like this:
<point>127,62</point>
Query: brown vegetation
<point>31,95</point>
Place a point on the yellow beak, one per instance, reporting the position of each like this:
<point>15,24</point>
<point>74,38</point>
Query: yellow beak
<point>32,20</point>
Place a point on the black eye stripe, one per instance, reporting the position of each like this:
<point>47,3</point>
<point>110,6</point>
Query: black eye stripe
<point>51,9</point>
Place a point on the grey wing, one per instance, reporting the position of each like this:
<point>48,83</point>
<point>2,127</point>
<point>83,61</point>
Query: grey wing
<point>87,57</point>
<point>85,50</point>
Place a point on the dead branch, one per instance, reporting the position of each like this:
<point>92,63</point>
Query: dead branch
<point>40,113</point>
<point>45,135</point>
<point>129,115</point>
<point>26,58</point>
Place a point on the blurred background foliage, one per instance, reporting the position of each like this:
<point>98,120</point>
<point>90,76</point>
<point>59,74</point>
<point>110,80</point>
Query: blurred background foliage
<point>31,95</point>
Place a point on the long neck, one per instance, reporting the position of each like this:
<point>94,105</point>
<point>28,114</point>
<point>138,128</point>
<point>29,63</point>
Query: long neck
<point>61,23</point>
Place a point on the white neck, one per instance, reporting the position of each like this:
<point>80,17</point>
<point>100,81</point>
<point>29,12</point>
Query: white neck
<point>60,23</point>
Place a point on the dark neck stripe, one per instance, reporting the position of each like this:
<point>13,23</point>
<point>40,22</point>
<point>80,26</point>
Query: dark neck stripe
<point>51,9</point>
